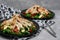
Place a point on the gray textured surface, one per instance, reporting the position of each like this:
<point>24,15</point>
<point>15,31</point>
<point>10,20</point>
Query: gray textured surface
<point>50,4</point>
<point>22,4</point>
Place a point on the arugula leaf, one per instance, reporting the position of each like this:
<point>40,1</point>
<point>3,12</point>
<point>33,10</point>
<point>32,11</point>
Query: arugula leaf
<point>0,25</point>
<point>26,29</point>
<point>28,15</point>
<point>7,30</point>
<point>32,28</point>
<point>26,33</point>
<point>37,16</point>
<point>50,15</point>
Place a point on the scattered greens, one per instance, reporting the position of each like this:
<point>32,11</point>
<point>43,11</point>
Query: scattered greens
<point>22,32</point>
<point>37,15</point>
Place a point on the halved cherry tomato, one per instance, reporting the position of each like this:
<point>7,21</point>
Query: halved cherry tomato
<point>16,29</point>
<point>30,30</point>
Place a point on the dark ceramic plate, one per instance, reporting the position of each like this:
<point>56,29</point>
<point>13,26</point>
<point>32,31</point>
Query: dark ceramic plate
<point>6,35</point>
<point>52,15</point>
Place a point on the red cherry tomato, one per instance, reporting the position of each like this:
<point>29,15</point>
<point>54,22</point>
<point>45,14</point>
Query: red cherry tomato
<point>30,30</point>
<point>15,29</point>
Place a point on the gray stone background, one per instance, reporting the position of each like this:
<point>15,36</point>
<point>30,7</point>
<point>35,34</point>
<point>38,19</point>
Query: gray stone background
<point>22,4</point>
<point>53,5</point>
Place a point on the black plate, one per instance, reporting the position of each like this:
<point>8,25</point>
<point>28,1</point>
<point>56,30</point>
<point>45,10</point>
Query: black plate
<point>10,36</point>
<point>53,14</point>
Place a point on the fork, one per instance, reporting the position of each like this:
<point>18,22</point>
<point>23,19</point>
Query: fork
<point>50,25</point>
<point>43,27</point>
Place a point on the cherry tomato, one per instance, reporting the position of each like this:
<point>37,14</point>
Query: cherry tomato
<point>30,30</point>
<point>15,29</point>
